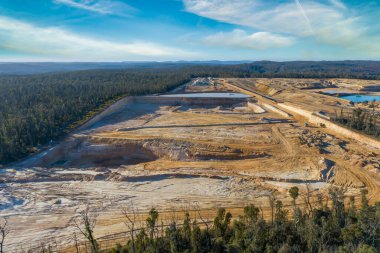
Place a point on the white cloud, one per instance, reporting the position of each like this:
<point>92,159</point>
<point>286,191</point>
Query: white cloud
<point>240,39</point>
<point>338,4</point>
<point>100,6</point>
<point>18,36</point>
<point>325,20</point>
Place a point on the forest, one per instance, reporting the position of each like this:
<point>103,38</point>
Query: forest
<point>327,225</point>
<point>38,108</point>
<point>344,69</point>
<point>365,121</point>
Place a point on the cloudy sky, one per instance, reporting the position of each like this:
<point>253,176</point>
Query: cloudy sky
<point>141,30</point>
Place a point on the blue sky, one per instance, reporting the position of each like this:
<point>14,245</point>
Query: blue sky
<point>160,30</point>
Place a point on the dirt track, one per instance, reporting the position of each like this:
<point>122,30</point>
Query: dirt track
<point>176,156</point>
<point>310,101</point>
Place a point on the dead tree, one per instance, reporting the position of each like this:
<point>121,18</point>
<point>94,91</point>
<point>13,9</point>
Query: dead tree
<point>76,243</point>
<point>205,222</point>
<point>4,231</point>
<point>262,212</point>
<point>130,215</point>
<point>272,201</point>
<point>86,224</point>
<point>308,196</point>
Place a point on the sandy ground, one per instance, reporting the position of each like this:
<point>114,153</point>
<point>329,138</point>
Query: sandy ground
<point>176,157</point>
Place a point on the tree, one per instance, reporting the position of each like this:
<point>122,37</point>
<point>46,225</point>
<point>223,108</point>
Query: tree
<point>366,121</point>
<point>364,200</point>
<point>186,230</point>
<point>322,231</point>
<point>272,201</point>
<point>130,215</point>
<point>4,231</point>
<point>39,108</point>
<point>251,213</point>
<point>151,222</point>
<point>294,193</point>
<point>221,222</point>
<point>307,200</point>
<point>280,213</point>
<point>337,197</point>
<point>206,235</point>
<point>196,239</point>
<point>86,224</point>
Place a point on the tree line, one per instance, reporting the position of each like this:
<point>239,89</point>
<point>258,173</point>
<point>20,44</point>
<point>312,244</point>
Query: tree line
<point>325,228</point>
<point>366,121</point>
<point>317,69</point>
<point>38,108</point>
<point>329,225</point>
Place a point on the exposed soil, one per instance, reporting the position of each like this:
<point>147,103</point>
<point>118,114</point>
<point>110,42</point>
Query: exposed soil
<point>173,156</point>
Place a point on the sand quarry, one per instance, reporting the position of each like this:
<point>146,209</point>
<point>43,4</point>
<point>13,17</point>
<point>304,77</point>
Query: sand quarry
<point>179,152</point>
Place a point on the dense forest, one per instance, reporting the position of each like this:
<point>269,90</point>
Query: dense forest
<point>359,119</point>
<point>349,69</point>
<point>38,108</point>
<point>331,226</point>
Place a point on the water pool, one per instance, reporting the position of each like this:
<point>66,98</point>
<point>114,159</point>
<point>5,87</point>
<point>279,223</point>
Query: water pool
<point>361,98</point>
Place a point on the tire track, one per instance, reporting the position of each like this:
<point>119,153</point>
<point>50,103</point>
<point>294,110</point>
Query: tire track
<point>288,146</point>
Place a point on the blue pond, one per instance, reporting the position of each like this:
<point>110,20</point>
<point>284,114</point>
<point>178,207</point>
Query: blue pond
<point>361,98</point>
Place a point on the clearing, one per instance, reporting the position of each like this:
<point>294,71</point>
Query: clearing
<point>211,143</point>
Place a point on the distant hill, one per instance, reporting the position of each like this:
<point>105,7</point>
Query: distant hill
<point>22,68</point>
<point>317,69</point>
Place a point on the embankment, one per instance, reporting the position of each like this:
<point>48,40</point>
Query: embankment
<point>265,101</point>
<point>115,107</point>
<point>169,101</point>
<point>255,107</point>
<point>317,120</point>
<point>201,101</point>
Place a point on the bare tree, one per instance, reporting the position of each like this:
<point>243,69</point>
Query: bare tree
<point>4,231</point>
<point>76,243</point>
<point>130,215</point>
<point>308,196</point>
<point>205,222</point>
<point>262,212</point>
<point>86,224</point>
<point>272,201</point>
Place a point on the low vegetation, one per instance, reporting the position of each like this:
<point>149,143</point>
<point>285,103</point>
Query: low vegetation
<point>332,227</point>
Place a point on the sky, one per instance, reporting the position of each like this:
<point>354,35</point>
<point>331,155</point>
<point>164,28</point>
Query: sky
<point>171,30</point>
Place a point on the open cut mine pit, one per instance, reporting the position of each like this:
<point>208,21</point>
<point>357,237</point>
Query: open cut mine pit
<point>221,149</point>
